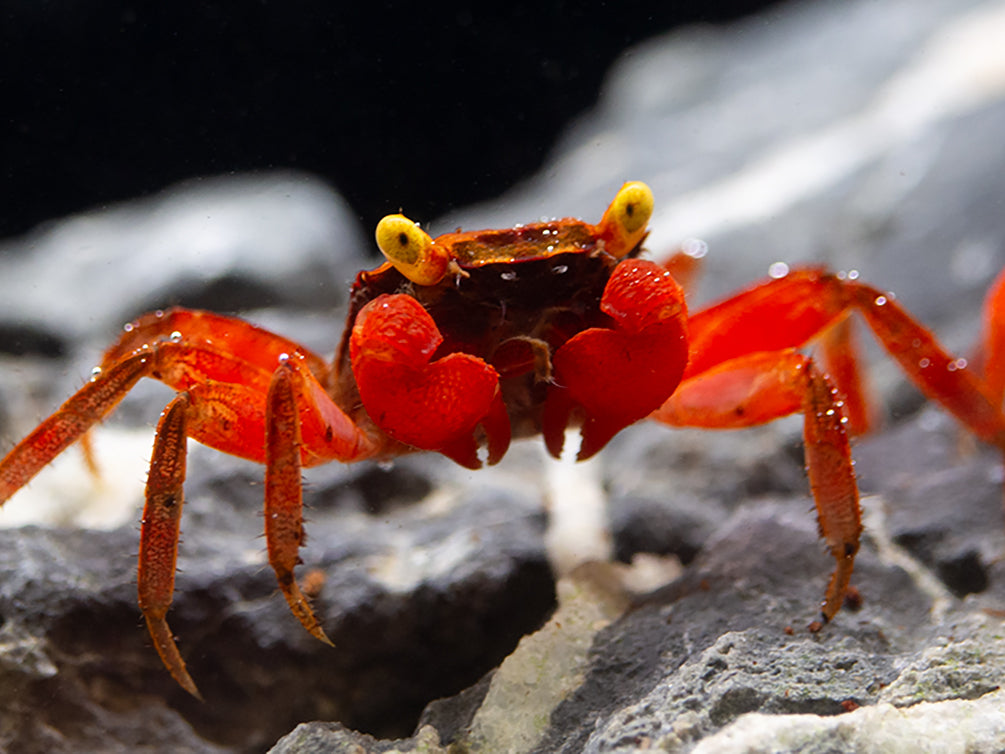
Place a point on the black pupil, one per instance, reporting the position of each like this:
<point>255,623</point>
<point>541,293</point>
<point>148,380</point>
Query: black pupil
<point>403,239</point>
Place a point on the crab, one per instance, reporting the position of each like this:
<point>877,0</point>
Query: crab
<point>461,343</point>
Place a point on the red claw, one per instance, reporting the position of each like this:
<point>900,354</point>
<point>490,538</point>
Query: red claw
<point>618,376</point>
<point>431,405</point>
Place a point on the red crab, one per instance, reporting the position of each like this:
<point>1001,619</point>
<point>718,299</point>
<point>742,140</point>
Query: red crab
<point>465,341</point>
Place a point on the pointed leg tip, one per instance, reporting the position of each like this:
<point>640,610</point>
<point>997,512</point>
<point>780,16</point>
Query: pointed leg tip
<point>166,647</point>
<point>302,610</point>
<point>313,625</point>
<point>321,635</point>
<point>188,684</point>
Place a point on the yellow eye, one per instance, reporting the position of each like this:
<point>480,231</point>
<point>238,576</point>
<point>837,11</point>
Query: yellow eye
<point>623,225</point>
<point>410,249</point>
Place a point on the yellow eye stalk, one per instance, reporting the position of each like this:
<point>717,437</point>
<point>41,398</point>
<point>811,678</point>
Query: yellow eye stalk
<point>412,251</point>
<point>623,225</point>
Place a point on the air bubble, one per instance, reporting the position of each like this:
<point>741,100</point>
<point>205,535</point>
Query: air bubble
<point>283,358</point>
<point>853,274</point>
<point>778,270</point>
<point>925,363</point>
<point>957,364</point>
<point>560,269</point>
<point>695,248</point>
<point>175,336</point>
<point>880,301</point>
<point>550,248</point>
<point>509,275</point>
<point>128,327</point>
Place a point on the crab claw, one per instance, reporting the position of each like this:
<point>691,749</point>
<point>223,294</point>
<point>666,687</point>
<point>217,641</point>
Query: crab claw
<point>615,377</point>
<point>429,404</point>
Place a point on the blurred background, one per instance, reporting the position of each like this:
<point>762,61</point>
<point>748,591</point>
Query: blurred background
<point>395,104</point>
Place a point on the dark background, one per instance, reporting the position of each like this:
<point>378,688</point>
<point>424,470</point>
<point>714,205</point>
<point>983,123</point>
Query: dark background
<point>417,105</point>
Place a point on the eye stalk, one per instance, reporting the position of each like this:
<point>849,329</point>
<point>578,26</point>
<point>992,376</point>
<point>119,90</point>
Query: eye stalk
<point>625,222</point>
<point>412,251</point>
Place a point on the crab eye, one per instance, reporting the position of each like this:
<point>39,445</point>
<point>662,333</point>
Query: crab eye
<point>624,223</point>
<point>410,249</point>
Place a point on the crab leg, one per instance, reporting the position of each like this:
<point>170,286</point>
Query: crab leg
<point>793,310</point>
<point>89,405</point>
<point>938,374</point>
<point>832,482</point>
<point>759,387</point>
<point>238,341</point>
<point>159,536</point>
<point>284,527</point>
<point>992,346</point>
<point>839,357</point>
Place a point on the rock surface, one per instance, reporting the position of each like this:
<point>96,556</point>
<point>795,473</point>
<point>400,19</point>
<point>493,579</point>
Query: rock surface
<point>867,138</point>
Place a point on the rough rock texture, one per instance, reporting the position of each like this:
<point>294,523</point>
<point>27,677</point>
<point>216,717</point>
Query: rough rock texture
<point>866,137</point>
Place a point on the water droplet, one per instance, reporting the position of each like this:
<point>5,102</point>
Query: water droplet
<point>283,358</point>
<point>829,412</point>
<point>560,269</point>
<point>694,247</point>
<point>546,232</point>
<point>924,363</point>
<point>550,248</point>
<point>957,364</point>
<point>509,275</point>
<point>778,270</point>
<point>880,301</point>
<point>175,337</point>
